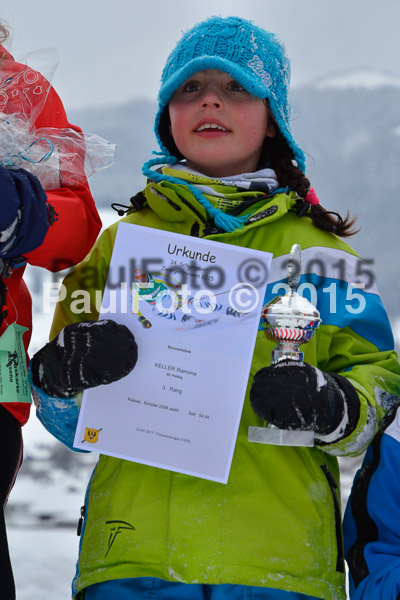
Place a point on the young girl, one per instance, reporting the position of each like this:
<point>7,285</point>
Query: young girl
<point>233,173</point>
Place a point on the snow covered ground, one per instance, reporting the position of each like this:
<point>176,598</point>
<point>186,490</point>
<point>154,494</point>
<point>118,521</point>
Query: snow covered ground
<point>43,562</point>
<point>44,506</point>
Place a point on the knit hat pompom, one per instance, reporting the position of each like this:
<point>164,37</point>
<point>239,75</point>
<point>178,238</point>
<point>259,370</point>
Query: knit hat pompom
<point>254,57</point>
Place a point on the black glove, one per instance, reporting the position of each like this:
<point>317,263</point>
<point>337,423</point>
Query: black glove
<point>24,215</point>
<point>84,355</point>
<point>303,397</point>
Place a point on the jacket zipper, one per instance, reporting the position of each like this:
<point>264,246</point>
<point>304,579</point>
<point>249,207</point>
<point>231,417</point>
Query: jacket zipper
<point>338,521</point>
<point>194,210</point>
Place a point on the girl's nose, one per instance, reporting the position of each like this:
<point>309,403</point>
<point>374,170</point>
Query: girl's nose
<point>211,99</point>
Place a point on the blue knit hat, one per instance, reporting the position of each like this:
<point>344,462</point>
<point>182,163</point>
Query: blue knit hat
<point>249,54</point>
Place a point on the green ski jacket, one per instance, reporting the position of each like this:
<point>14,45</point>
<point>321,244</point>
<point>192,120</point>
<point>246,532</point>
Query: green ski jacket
<point>277,521</point>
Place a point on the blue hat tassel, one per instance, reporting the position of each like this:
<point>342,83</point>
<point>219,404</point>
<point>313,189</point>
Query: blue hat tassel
<point>223,221</point>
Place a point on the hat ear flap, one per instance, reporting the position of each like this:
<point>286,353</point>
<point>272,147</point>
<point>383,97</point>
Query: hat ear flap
<point>165,136</point>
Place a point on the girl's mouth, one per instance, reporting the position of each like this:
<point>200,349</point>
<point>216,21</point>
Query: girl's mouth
<point>208,126</point>
<point>210,129</point>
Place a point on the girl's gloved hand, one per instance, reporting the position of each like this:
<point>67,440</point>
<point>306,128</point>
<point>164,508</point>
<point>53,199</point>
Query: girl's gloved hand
<point>304,398</point>
<point>84,355</point>
<point>24,215</point>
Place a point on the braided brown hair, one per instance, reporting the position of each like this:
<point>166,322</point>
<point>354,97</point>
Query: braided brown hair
<point>277,152</point>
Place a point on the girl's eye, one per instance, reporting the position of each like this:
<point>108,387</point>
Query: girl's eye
<point>191,86</point>
<point>236,87</point>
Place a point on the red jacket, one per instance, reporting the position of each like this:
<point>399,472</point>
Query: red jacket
<point>72,235</point>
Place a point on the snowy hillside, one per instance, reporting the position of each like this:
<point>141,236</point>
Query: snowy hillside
<point>364,79</point>
<point>347,124</point>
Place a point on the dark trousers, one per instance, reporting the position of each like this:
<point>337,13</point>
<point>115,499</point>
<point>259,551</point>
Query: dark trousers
<point>10,461</point>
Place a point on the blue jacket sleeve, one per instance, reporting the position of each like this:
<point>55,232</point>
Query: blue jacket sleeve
<point>372,518</point>
<point>58,415</point>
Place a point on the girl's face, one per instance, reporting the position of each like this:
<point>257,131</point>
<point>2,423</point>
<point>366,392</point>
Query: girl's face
<point>217,125</point>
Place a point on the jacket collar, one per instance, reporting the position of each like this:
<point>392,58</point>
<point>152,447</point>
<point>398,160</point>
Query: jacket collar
<point>175,203</point>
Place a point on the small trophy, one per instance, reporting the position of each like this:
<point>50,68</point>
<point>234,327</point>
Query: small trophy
<point>290,320</point>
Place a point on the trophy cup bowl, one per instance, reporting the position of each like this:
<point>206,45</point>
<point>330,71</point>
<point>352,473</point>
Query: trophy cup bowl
<point>290,320</point>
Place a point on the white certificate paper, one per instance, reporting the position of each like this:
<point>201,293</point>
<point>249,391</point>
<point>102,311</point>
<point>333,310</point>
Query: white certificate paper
<point>194,307</point>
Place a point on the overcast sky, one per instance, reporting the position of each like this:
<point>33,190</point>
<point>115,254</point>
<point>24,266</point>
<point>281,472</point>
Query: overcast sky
<point>112,51</point>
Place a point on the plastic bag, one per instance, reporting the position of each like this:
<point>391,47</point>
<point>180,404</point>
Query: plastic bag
<point>58,157</point>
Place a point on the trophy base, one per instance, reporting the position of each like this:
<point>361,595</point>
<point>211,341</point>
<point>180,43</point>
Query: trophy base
<point>280,437</point>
